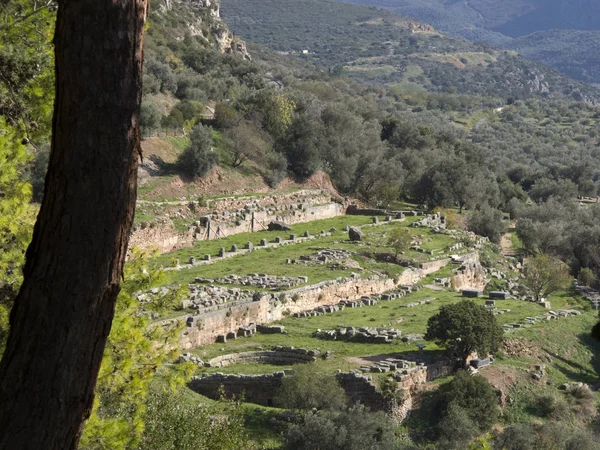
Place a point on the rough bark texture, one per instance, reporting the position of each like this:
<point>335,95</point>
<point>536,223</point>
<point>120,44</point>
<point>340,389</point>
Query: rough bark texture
<point>63,313</point>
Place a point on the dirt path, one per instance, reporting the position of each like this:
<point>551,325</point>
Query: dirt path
<point>506,243</point>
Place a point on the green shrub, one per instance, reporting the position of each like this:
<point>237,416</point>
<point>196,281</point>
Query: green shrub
<point>307,389</point>
<point>198,157</point>
<point>353,429</point>
<point>472,393</point>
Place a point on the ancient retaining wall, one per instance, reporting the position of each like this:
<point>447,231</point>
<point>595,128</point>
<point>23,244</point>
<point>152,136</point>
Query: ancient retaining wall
<point>164,239</point>
<point>262,389</point>
<point>471,275</point>
<point>213,321</point>
<point>259,220</point>
<point>360,389</point>
<point>279,356</point>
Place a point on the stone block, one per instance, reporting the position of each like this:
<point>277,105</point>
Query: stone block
<point>355,234</point>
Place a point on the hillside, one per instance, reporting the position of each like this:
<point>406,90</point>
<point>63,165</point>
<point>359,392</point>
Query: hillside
<point>388,242</point>
<point>529,26</point>
<point>378,46</point>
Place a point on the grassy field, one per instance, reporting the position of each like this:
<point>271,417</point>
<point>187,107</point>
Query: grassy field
<point>272,260</point>
<point>390,314</point>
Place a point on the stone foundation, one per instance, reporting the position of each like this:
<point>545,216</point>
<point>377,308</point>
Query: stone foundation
<point>279,356</point>
<point>262,389</point>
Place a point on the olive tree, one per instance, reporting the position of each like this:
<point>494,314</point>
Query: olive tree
<point>545,274</point>
<point>464,328</point>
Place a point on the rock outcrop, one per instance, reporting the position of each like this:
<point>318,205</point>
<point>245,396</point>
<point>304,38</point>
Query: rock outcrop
<point>204,19</point>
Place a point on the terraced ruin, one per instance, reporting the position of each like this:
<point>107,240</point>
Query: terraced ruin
<point>332,293</point>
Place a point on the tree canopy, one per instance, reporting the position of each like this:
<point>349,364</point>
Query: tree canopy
<point>464,328</point>
<point>545,274</point>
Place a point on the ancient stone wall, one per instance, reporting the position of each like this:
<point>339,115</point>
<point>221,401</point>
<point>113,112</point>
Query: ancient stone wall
<point>213,321</point>
<point>360,389</point>
<point>279,356</point>
<point>262,389</point>
<point>164,239</point>
<point>259,220</point>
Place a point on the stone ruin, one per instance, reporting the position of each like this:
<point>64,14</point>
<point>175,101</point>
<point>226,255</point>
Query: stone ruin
<point>426,301</point>
<point>322,257</point>
<point>551,315</point>
<point>435,221</point>
<point>371,300</point>
<point>354,234</point>
<point>280,355</point>
<point>259,280</point>
<point>271,329</point>
<point>591,294</point>
<point>278,226</point>
<point>206,296</point>
<point>365,335</point>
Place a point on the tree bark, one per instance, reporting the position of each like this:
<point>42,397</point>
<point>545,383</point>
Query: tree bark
<point>63,312</point>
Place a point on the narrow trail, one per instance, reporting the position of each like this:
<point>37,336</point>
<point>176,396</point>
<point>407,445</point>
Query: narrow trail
<point>506,243</point>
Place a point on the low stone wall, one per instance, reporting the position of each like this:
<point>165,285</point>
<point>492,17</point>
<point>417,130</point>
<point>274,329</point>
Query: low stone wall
<point>279,356</point>
<point>211,322</point>
<point>164,239</point>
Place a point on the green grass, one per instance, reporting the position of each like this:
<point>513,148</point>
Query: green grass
<point>180,143</point>
<point>384,314</point>
<point>257,421</point>
<point>272,260</point>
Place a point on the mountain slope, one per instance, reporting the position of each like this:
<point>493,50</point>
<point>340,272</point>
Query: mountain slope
<point>535,24</point>
<point>378,46</point>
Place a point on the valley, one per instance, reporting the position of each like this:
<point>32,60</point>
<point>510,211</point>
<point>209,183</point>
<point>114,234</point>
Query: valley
<point>561,34</point>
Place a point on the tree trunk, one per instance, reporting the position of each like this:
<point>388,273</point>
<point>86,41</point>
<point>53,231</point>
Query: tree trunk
<point>63,312</point>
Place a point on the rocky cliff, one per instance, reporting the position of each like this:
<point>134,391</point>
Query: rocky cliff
<point>203,19</point>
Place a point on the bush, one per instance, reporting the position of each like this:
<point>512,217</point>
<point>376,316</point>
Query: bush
<point>587,277</point>
<point>516,437</point>
<point>487,222</point>
<point>456,428</point>
<point>473,394</point>
<point>354,429</point>
<point>465,327</point>
<point>172,422</point>
<point>305,390</point>
<point>149,117</point>
<point>277,165</point>
<point>198,157</point>
<point>551,407</point>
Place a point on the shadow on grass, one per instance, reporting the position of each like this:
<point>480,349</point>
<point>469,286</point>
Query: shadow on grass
<point>574,370</point>
<point>423,419</point>
<point>162,167</point>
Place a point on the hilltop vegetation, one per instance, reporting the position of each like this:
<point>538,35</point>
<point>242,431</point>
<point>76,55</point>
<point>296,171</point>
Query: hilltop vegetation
<point>544,30</point>
<point>376,45</point>
<point>476,152</point>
